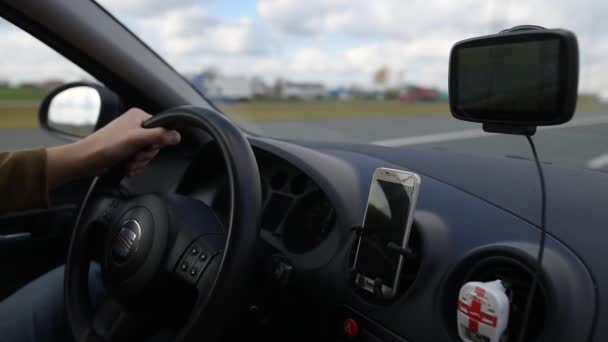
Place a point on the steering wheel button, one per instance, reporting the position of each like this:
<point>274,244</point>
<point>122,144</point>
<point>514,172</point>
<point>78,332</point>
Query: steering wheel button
<point>184,266</point>
<point>194,250</point>
<point>203,257</point>
<point>130,235</point>
<point>193,271</point>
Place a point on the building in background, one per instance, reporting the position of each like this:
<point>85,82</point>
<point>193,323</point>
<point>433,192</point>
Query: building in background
<point>229,88</point>
<point>300,90</point>
<point>223,88</point>
<point>28,84</point>
<point>260,88</point>
<point>51,84</point>
<point>341,93</point>
<point>413,94</point>
<point>377,93</point>
<point>220,87</point>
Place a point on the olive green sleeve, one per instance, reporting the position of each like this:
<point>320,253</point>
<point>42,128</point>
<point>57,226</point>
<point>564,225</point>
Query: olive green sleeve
<point>23,181</point>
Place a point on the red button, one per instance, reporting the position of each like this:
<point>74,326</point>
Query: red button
<point>351,327</point>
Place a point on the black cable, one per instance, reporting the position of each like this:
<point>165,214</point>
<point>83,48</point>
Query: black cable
<point>541,244</point>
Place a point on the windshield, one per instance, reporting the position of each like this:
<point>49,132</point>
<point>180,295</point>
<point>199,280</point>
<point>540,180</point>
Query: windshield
<point>367,71</point>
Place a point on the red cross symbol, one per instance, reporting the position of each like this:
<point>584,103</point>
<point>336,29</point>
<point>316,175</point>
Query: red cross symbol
<point>474,312</point>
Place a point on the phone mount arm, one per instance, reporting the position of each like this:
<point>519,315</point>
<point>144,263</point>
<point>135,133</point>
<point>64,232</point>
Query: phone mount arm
<point>378,282</point>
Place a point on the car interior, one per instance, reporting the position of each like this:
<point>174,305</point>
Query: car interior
<point>232,236</point>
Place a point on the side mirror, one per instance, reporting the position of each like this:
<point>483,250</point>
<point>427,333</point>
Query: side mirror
<point>76,110</point>
<point>523,77</point>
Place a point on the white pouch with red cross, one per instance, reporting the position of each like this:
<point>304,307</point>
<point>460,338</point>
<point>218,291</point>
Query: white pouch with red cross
<point>483,311</point>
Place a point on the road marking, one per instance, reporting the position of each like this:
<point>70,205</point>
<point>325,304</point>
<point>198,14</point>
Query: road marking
<point>598,162</point>
<point>478,133</point>
<point>433,138</point>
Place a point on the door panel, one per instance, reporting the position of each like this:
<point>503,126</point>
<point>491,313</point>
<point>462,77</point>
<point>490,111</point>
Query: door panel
<point>35,241</point>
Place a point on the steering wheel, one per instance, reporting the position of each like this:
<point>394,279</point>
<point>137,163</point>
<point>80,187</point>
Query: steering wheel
<point>155,248</point>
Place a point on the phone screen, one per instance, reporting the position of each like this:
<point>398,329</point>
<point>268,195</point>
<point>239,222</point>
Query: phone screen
<point>385,221</point>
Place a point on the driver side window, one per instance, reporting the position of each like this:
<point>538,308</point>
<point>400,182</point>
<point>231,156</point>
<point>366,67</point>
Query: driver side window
<point>28,71</point>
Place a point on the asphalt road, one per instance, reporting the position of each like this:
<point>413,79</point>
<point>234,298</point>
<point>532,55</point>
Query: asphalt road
<point>581,143</point>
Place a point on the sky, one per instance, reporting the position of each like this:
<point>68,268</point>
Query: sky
<point>337,42</point>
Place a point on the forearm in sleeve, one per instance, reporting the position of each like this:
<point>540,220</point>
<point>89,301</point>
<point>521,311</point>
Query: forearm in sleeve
<point>23,180</point>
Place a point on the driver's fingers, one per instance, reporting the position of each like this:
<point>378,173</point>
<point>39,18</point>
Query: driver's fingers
<point>158,135</point>
<point>134,172</point>
<point>141,159</point>
<point>145,155</point>
<point>137,164</point>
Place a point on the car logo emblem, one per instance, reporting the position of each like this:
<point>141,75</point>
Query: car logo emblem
<point>126,241</point>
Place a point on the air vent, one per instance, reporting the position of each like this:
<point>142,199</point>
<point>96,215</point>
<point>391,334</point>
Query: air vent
<point>299,184</point>
<point>517,278</point>
<point>309,223</point>
<point>274,212</point>
<point>279,180</point>
<point>265,191</point>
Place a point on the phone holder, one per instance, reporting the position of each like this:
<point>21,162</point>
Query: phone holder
<point>405,252</point>
<point>378,282</point>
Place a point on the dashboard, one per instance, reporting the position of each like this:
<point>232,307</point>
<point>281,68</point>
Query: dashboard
<point>297,216</point>
<point>465,228</point>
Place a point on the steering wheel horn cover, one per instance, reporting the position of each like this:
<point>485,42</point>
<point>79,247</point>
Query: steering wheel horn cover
<point>128,276</point>
<point>220,291</point>
<point>125,243</point>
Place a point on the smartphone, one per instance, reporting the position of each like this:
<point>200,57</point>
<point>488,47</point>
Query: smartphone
<point>388,218</point>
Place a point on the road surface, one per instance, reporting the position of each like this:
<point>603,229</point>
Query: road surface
<point>581,143</point>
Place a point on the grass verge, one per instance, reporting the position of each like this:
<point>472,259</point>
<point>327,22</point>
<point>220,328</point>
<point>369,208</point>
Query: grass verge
<point>20,116</point>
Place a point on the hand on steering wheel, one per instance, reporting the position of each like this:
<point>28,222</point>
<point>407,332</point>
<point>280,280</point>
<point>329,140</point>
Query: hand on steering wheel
<point>152,241</point>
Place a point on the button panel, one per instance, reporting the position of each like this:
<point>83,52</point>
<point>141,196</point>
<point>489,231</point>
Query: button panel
<point>196,259</point>
<point>184,266</point>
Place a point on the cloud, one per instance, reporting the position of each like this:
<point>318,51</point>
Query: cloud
<point>288,16</point>
<point>416,36</point>
<point>4,25</point>
<point>354,65</point>
<point>24,58</point>
<point>144,8</point>
<point>339,42</point>
<point>390,18</point>
<point>192,40</point>
<point>190,34</point>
